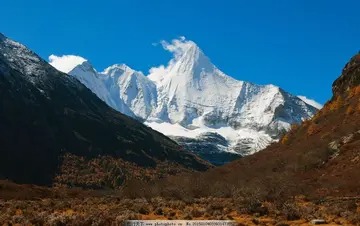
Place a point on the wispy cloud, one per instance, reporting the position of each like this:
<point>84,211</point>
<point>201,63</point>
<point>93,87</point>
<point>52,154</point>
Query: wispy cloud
<point>177,47</point>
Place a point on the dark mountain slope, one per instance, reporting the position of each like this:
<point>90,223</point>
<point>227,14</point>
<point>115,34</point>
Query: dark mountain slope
<point>45,113</point>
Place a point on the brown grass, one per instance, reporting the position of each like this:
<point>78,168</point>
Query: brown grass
<point>113,209</point>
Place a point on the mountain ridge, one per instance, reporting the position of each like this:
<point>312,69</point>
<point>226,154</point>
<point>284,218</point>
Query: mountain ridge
<point>194,94</point>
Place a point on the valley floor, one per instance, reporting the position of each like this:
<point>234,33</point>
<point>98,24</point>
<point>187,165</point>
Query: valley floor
<point>32,205</point>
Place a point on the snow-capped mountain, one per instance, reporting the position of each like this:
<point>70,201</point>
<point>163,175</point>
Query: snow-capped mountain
<point>192,98</point>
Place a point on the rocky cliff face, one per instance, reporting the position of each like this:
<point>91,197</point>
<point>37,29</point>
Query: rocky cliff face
<point>349,78</point>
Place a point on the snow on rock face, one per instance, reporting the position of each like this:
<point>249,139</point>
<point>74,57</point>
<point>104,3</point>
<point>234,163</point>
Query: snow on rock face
<point>311,102</point>
<point>87,75</point>
<point>136,90</point>
<point>191,97</point>
<point>190,87</point>
<point>194,93</point>
<point>19,57</point>
<point>34,69</point>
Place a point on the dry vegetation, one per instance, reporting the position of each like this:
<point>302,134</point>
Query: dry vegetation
<point>248,207</point>
<point>108,172</point>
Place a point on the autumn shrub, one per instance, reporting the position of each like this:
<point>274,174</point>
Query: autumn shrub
<point>170,214</point>
<point>144,210</point>
<point>176,204</point>
<point>282,224</point>
<point>250,201</point>
<point>355,91</point>
<point>215,204</point>
<point>349,110</point>
<point>294,127</point>
<point>124,216</point>
<point>197,212</point>
<point>336,103</point>
<point>134,189</point>
<point>255,221</point>
<point>313,129</point>
<point>159,211</point>
<point>291,211</point>
<point>325,135</point>
<point>338,208</point>
<point>316,117</point>
<point>285,139</point>
<point>188,216</point>
<point>313,159</point>
<point>354,219</point>
<point>221,189</point>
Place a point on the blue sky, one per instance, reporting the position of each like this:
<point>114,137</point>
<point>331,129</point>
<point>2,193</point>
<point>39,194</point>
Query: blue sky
<point>300,46</point>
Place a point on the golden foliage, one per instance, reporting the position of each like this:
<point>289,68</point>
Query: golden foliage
<point>313,129</point>
<point>355,91</point>
<point>108,172</point>
<point>69,212</point>
<point>316,116</point>
<point>335,104</point>
<point>325,135</point>
<point>350,110</point>
<point>294,127</point>
<point>306,122</point>
<point>18,212</point>
<point>285,139</point>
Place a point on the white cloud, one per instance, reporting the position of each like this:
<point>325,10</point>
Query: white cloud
<point>311,102</point>
<point>177,47</point>
<point>65,63</point>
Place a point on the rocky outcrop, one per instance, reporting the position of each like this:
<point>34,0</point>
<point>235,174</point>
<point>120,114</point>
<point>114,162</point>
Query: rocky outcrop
<point>349,78</point>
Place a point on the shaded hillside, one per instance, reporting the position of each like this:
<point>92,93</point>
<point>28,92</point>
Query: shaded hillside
<point>45,113</point>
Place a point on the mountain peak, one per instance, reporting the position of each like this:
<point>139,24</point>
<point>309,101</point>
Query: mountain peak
<point>185,52</point>
<point>350,76</point>
<point>118,69</point>
<point>84,67</point>
<point>188,62</point>
<point>181,47</point>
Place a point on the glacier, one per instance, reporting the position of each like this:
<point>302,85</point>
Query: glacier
<point>191,98</point>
